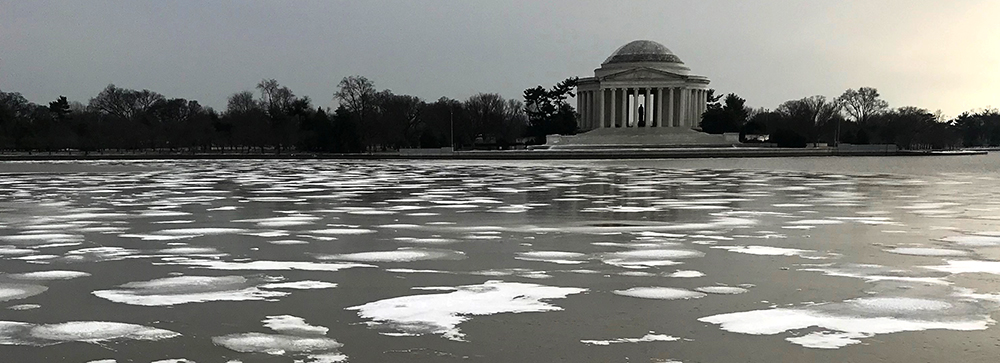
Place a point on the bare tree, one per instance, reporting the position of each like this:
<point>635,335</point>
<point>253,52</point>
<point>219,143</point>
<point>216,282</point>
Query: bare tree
<point>357,94</point>
<point>124,103</point>
<point>241,103</point>
<point>862,104</point>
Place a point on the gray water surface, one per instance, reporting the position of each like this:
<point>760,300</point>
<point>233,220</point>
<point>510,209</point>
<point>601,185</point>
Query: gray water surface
<point>734,260</point>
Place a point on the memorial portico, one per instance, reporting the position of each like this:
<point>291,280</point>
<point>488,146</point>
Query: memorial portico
<point>642,75</point>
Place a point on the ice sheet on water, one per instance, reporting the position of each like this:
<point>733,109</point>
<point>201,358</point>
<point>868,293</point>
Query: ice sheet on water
<point>771,251</point>
<point>645,258</point>
<point>10,291</point>
<point>933,252</point>
<point>660,293</point>
<point>189,289</point>
<point>399,255</point>
<point>974,240</point>
<point>878,273</point>
<point>284,221</point>
<point>262,265</point>
<point>342,231</point>
<point>650,337</point>
<point>558,257</point>
<point>297,339</point>
<point>18,333</point>
<point>968,266</point>
<point>299,285</point>
<point>849,321</point>
<point>22,307</point>
<point>442,313</point>
<point>686,274</point>
<point>294,325</point>
<point>721,290</point>
<point>48,275</point>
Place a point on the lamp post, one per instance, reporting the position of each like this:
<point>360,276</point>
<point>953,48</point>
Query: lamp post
<point>451,119</point>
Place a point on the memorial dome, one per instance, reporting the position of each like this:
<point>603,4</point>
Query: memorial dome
<point>642,51</point>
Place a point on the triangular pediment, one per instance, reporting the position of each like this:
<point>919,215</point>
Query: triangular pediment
<point>642,74</point>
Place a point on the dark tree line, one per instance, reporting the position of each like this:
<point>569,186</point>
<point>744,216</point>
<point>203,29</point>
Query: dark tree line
<point>273,119</point>
<point>856,117</point>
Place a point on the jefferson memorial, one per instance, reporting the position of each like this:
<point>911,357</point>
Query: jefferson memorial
<point>643,95</point>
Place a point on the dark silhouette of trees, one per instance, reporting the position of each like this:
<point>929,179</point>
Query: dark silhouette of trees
<point>728,117</point>
<point>862,104</point>
<point>272,119</point>
<point>548,112</point>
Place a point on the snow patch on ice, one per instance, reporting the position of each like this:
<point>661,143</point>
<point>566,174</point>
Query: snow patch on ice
<point>442,313</point>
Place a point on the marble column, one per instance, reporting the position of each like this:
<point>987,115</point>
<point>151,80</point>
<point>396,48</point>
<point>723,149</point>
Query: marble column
<point>647,111</point>
<point>600,109</point>
<point>614,107</point>
<point>659,107</point>
<point>684,106</point>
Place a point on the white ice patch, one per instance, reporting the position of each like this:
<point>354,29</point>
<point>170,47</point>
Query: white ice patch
<point>297,339</point>
<point>49,275</point>
<point>968,266</point>
<point>722,290</point>
<point>19,291</point>
<point>651,337</point>
<point>288,242</point>
<point>815,222</point>
<point>17,333</point>
<point>771,251</point>
<point>648,258</point>
<point>187,289</point>
<point>200,231</point>
<point>932,252</point>
<point>280,344</point>
<point>174,360</point>
<point>300,285</point>
<point>288,324</point>
<point>441,313</point>
<point>558,257</point>
<point>847,322</point>
<point>263,265</point>
<point>399,255</point>
<point>342,231</point>
<point>686,274</point>
<point>974,241</point>
<point>660,293</point>
<point>23,307</point>
<point>877,273</point>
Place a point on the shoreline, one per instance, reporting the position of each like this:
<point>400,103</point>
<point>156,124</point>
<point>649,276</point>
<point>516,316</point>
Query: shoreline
<point>605,154</point>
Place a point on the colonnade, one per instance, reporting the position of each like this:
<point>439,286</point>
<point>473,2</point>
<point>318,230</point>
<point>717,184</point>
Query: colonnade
<point>609,107</point>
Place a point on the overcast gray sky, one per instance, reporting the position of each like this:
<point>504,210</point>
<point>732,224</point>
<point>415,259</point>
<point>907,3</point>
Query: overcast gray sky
<point>933,54</point>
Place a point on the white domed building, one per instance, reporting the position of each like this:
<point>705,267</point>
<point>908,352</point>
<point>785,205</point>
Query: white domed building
<point>641,85</point>
<point>643,95</point>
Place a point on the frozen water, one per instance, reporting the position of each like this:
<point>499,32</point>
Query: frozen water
<point>19,291</point>
<point>852,320</point>
<point>722,290</point>
<point>441,313</point>
<point>262,265</point>
<point>399,255</point>
<point>558,257</point>
<point>935,252</point>
<point>17,333</point>
<point>287,324</point>
<point>49,275</point>
<point>188,289</point>
<point>651,337</point>
<point>660,293</point>
<point>687,274</point>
